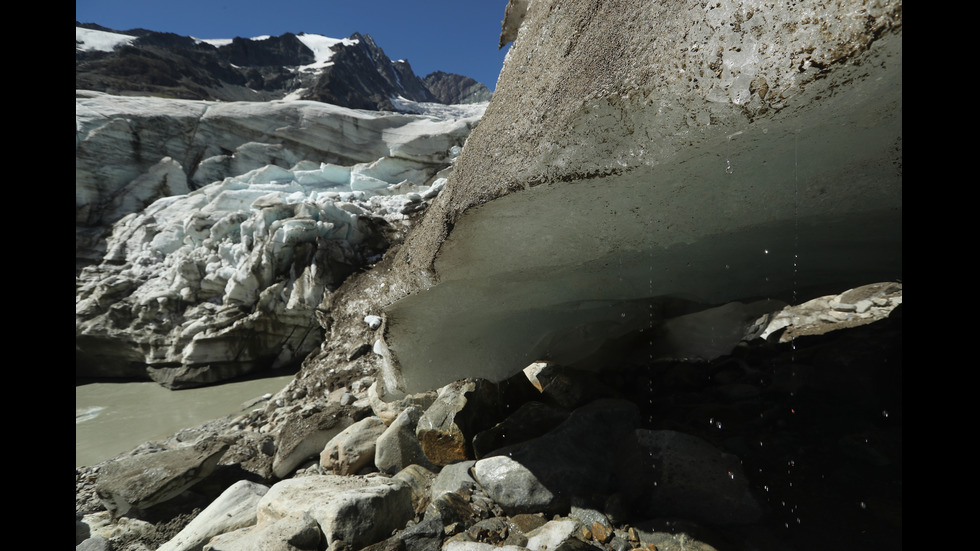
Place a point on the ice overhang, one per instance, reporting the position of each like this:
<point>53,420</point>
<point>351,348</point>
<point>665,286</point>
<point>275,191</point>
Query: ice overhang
<point>802,202</point>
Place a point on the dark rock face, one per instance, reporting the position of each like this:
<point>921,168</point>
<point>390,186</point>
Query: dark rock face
<point>363,77</point>
<point>453,89</point>
<point>169,65</point>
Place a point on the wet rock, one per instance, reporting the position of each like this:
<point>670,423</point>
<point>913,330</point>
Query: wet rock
<point>141,481</point>
<point>513,486</point>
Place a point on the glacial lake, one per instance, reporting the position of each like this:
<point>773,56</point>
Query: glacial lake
<point>112,417</point>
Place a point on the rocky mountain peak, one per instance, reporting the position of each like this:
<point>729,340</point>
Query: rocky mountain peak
<point>359,73</point>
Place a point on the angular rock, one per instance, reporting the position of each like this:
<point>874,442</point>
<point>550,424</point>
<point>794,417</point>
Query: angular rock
<point>577,459</point>
<point>388,409</point>
<point>235,508</point>
<point>356,511</point>
<point>454,478</point>
<point>513,486</point>
<point>558,535</point>
<point>672,474</point>
<point>529,421</point>
<point>305,434</point>
<point>142,481</point>
<point>296,531</point>
<point>463,409</point>
<point>353,448</point>
<point>419,480</point>
<point>398,446</point>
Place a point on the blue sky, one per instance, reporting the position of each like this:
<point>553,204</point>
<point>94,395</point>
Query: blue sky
<point>454,36</point>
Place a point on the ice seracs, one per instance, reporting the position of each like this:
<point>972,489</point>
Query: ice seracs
<point>224,280</point>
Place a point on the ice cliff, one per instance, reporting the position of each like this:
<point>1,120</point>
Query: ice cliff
<point>205,285</point>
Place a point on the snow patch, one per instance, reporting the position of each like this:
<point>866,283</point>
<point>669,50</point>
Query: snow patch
<point>99,41</point>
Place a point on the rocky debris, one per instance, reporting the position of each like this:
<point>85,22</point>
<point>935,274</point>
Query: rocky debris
<point>776,446</point>
<point>820,315</point>
<point>297,531</point>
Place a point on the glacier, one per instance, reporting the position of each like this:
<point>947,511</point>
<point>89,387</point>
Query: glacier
<point>202,285</point>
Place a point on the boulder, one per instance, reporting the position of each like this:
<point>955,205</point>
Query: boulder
<point>353,448</point>
<point>673,474</point>
<point>645,153</point>
<point>304,434</point>
<point>353,510</point>
<point>398,446</point>
<point>296,531</point>
<point>463,409</point>
<point>577,459</point>
<point>235,508</point>
<point>142,481</point>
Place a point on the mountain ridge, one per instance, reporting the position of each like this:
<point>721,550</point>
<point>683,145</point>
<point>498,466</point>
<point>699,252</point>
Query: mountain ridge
<point>352,72</point>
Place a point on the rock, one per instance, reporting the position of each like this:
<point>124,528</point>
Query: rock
<point>142,481</point>
<point>419,480</point>
<point>454,478</point>
<point>529,421</point>
<point>353,448</point>
<point>463,409</point>
<point>388,409</point>
<point>677,535</point>
<point>398,446</point>
<point>558,535</point>
<point>854,307</point>
<point>235,508</point>
<point>513,486</point>
<point>296,531</point>
<point>94,544</point>
<point>305,434</point>
<point>356,511</point>
<point>617,134</point>
<point>575,460</point>
<point>672,474</point>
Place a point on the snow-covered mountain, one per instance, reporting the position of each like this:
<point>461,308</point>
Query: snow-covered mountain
<point>350,72</point>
